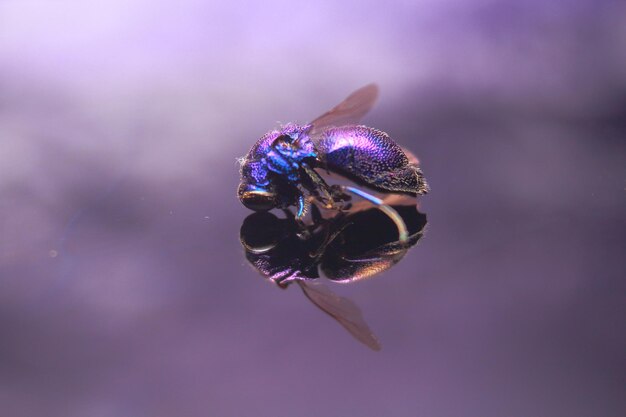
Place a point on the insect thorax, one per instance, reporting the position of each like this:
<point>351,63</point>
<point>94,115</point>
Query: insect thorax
<point>289,150</point>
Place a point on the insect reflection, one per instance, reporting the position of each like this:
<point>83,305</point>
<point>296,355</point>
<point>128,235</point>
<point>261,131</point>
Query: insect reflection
<point>348,247</point>
<point>281,168</point>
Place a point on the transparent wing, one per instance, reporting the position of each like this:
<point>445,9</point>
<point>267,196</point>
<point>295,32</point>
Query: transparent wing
<point>343,310</point>
<point>349,111</point>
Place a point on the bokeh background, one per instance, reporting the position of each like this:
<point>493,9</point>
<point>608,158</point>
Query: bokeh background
<point>124,290</point>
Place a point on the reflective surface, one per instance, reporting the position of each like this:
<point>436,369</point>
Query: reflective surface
<point>124,287</point>
<point>348,246</point>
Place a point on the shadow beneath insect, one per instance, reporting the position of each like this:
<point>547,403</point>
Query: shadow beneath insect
<point>348,247</point>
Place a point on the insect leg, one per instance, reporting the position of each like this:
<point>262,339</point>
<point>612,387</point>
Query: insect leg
<point>318,187</point>
<point>403,234</point>
<point>303,207</point>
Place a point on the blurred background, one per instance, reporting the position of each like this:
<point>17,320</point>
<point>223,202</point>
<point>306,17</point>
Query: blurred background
<point>124,290</point>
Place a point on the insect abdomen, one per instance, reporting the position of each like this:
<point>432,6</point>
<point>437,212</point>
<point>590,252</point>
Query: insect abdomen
<point>369,156</point>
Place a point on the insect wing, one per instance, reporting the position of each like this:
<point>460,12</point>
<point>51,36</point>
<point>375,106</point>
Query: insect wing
<point>343,310</point>
<point>349,111</point>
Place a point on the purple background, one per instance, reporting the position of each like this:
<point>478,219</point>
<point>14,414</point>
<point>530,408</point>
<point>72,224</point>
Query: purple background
<point>124,290</point>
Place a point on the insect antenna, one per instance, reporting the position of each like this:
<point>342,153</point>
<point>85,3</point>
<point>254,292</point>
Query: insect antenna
<point>403,234</point>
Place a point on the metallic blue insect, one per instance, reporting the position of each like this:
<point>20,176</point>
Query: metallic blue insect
<point>279,171</point>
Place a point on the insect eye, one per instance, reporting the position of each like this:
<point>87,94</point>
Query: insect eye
<point>256,198</point>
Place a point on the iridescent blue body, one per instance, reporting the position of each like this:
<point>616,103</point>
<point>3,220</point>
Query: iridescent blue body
<point>279,170</point>
<point>272,155</point>
<point>369,157</point>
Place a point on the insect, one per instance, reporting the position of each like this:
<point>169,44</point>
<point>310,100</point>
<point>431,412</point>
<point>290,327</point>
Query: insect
<point>279,171</point>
